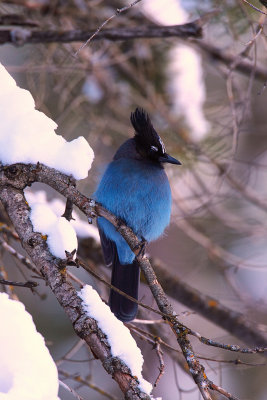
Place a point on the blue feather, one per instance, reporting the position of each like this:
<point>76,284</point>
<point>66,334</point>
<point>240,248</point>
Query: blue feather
<point>138,193</point>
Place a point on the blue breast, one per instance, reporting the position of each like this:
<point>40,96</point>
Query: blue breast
<point>139,193</point>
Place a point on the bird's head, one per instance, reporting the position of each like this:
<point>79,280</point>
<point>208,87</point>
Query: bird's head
<point>149,144</point>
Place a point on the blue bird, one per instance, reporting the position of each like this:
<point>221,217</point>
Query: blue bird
<point>136,189</point>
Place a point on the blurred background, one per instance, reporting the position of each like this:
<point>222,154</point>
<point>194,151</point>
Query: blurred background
<point>207,99</point>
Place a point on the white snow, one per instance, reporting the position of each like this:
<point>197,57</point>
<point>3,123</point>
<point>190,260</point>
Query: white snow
<point>184,69</point>
<point>28,135</point>
<point>171,14</point>
<point>27,370</point>
<point>57,206</point>
<point>119,337</point>
<point>61,234</point>
<point>61,237</point>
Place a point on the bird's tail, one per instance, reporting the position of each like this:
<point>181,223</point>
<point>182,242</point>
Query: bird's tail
<point>126,278</point>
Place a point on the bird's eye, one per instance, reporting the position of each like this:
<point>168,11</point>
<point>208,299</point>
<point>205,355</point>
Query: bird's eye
<point>154,148</point>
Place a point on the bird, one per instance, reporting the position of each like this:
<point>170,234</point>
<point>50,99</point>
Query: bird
<point>135,188</point>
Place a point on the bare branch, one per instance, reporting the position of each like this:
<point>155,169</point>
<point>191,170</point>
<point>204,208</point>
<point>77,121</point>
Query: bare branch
<point>255,8</point>
<point>230,347</point>
<point>24,260</point>
<point>80,380</point>
<point>224,392</point>
<point>244,66</point>
<point>25,36</point>
<point>161,361</point>
<point>17,19</point>
<point>71,390</point>
<point>68,210</point>
<point>28,284</point>
<point>210,308</point>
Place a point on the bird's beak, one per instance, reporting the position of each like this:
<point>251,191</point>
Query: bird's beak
<point>169,159</point>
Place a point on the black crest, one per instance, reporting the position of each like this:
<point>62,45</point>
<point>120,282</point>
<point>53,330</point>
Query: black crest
<point>145,135</point>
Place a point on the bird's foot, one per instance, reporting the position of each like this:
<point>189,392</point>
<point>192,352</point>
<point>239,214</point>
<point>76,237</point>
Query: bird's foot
<point>141,247</point>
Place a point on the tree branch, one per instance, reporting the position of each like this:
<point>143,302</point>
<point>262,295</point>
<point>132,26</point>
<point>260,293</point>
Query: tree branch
<point>27,36</point>
<point>28,284</point>
<point>210,308</point>
<point>244,66</point>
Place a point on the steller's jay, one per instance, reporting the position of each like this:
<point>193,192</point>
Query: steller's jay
<point>136,189</point>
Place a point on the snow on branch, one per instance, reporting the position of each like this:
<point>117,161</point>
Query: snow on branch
<point>125,348</point>
<point>28,135</point>
<point>28,371</point>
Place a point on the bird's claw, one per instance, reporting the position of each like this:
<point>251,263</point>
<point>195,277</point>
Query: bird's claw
<point>141,247</point>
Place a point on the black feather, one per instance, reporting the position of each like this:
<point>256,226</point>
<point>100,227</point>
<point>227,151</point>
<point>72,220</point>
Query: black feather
<point>145,134</point>
<point>124,277</point>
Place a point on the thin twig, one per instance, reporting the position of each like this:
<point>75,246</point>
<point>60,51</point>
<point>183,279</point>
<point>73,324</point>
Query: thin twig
<point>68,210</point>
<point>79,379</point>
<point>28,284</point>
<point>244,66</point>
<point>224,392</point>
<point>254,7</point>
<point>151,339</point>
<point>9,231</point>
<point>3,275</point>
<point>73,350</point>
<point>161,361</point>
<point>71,390</point>
<point>24,260</point>
<point>117,13</point>
<point>230,347</point>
